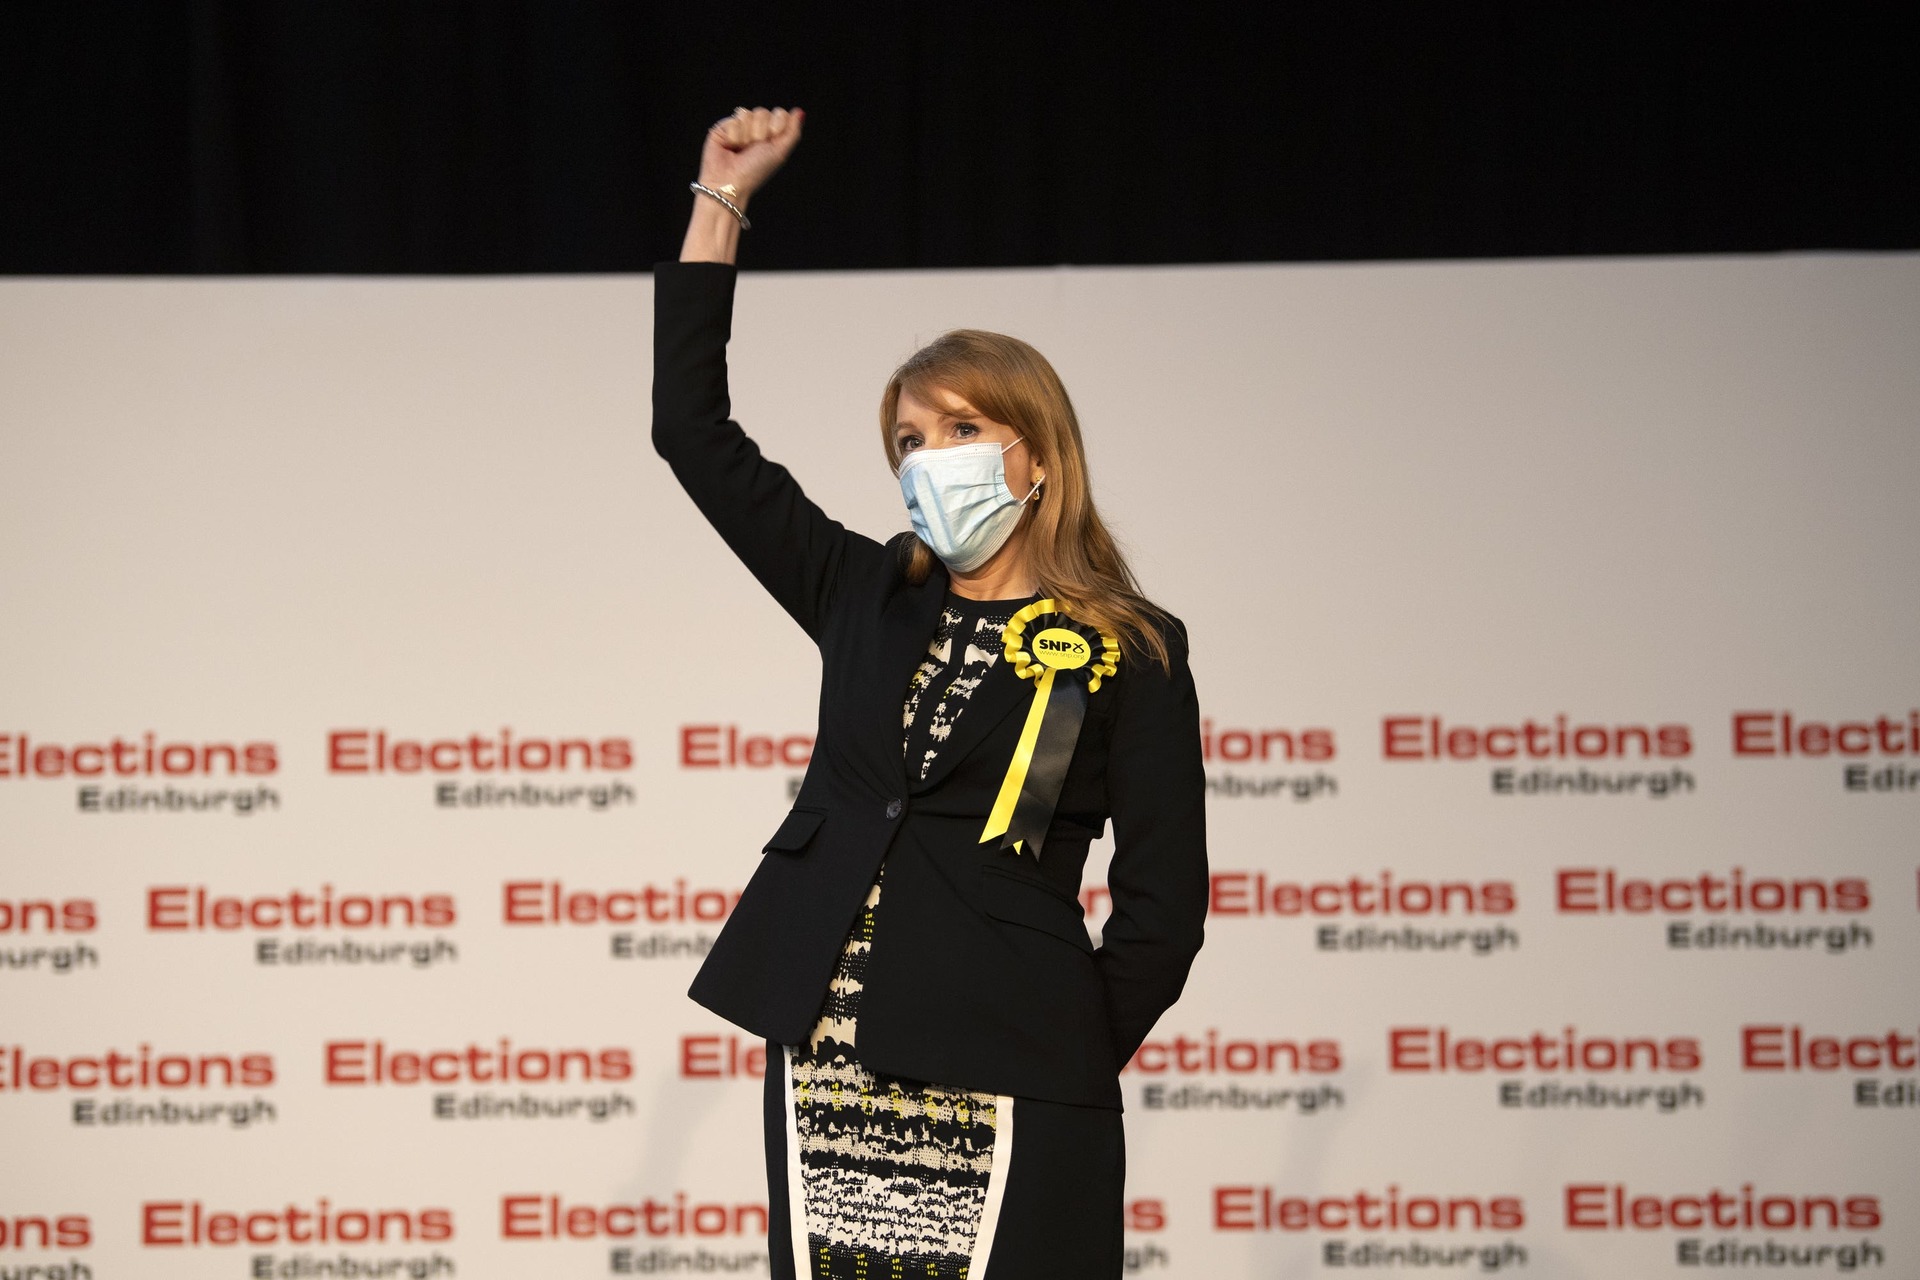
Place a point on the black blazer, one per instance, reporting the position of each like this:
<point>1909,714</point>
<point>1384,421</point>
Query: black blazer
<point>981,974</point>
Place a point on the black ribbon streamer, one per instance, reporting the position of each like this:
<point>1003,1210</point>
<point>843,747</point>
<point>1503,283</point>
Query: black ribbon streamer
<point>1040,771</point>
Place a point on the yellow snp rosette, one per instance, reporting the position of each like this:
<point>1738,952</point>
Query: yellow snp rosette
<point>1066,660</point>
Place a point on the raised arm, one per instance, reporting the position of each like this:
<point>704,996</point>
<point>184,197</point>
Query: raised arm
<point>788,543</point>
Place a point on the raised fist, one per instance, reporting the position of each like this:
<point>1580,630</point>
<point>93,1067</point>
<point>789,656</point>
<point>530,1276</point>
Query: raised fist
<point>743,150</point>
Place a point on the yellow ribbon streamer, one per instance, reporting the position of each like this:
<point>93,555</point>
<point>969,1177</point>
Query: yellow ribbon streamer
<point>1001,815</point>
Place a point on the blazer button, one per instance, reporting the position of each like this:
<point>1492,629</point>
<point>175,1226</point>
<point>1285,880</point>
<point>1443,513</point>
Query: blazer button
<point>893,808</point>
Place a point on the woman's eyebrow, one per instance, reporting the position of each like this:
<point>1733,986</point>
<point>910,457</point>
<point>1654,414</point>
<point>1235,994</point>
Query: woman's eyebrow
<point>967,415</point>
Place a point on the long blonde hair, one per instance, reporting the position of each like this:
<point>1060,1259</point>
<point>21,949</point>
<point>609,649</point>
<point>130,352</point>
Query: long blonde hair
<point>1073,557</point>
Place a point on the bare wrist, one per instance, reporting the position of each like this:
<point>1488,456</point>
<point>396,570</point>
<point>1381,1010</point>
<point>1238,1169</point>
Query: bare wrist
<point>713,234</point>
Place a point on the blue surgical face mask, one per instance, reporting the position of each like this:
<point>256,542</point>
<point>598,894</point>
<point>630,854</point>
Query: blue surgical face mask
<point>959,501</point>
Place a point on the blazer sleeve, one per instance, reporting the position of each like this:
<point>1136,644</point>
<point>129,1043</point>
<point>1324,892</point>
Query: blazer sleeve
<point>1158,879</point>
<point>796,551</point>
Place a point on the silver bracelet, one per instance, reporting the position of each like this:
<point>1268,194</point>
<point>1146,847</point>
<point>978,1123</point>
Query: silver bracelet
<point>732,208</point>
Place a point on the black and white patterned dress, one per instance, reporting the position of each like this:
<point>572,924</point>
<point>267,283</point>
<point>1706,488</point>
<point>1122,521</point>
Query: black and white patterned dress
<point>898,1178</point>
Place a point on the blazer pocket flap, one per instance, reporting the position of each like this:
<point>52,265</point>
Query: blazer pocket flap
<point>795,831</point>
<point>1036,907</point>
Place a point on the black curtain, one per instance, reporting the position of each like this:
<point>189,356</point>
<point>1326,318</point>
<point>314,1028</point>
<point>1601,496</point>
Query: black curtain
<point>228,136</point>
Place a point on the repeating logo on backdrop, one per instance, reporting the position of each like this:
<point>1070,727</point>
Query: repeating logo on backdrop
<point>1879,755</point>
<point>501,770</point>
<point>48,935</point>
<point>1210,1071</point>
<point>1248,762</point>
<point>1731,910</point>
<point>148,773</point>
<point>1557,756</point>
<point>305,928</point>
<point>1381,912</point>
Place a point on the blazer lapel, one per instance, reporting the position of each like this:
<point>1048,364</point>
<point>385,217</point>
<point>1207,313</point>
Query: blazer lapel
<point>906,625</point>
<point>997,694</point>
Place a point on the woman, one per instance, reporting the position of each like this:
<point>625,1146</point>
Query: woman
<point>944,1040</point>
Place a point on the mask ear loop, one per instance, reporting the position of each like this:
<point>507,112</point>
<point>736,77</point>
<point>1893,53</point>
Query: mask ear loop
<point>1037,483</point>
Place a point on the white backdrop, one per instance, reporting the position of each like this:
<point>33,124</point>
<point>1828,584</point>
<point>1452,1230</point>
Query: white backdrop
<point>260,522</point>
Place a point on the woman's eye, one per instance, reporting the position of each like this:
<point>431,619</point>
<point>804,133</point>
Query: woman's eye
<point>965,429</point>
<point>910,442</point>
